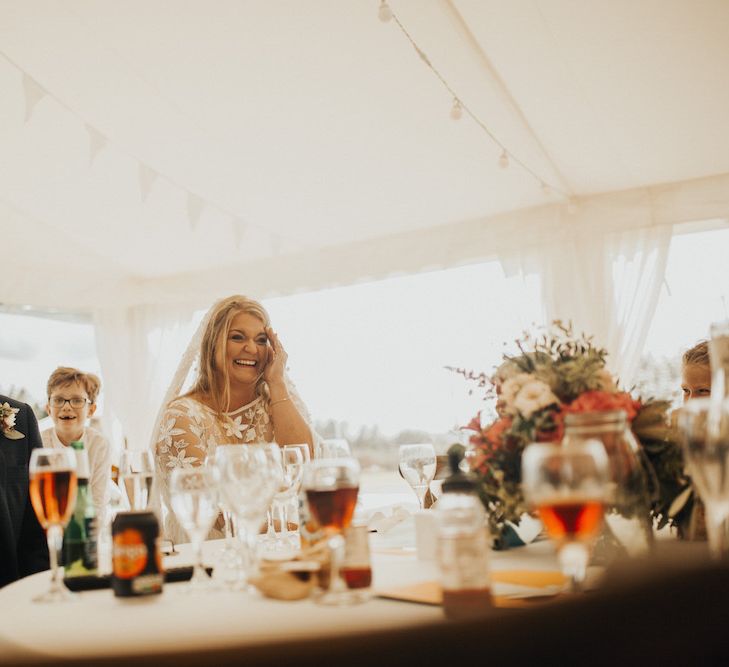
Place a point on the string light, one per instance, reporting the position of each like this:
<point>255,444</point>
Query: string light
<point>504,160</point>
<point>384,13</point>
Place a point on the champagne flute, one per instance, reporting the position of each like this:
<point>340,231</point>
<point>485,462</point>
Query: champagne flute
<point>331,488</point>
<point>53,496</point>
<point>296,501</point>
<point>704,430</point>
<point>568,487</point>
<point>136,472</point>
<point>193,493</point>
<point>417,466</point>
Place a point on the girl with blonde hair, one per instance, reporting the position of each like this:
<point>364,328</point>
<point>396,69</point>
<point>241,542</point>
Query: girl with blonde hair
<point>241,395</point>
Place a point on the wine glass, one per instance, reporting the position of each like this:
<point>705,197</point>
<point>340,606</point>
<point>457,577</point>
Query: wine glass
<point>704,430</point>
<point>193,494</point>
<point>331,487</point>
<point>248,483</point>
<point>136,472</point>
<point>568,488</point>
<point>53,496</point>
<point>229,558</point>
<point>417,466</point>
<point>334,448</point>
<point>292,463</point>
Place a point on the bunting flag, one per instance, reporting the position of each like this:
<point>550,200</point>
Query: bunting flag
<point>194,209</point>
<point>147,177</point>
<point>34,93</point>
<point>240,227</point>
<point>97,142</point>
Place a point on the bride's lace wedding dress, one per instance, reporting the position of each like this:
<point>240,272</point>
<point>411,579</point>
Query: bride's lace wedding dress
<point>189,432</point>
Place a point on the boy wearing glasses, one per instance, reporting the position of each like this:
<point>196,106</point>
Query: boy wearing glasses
<point>71,402</point>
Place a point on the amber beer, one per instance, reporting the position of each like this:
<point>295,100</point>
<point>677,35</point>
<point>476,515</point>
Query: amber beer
<point>573,520</point>
<point>333,508</point>
<point>53,496</point>
<point>136,557</point>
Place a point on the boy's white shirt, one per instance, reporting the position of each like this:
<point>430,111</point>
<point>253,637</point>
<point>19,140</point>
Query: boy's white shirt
<point>99,452</point>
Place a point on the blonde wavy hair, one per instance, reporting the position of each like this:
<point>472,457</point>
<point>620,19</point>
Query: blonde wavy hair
<point>213,378</point>
<point>698,354</point>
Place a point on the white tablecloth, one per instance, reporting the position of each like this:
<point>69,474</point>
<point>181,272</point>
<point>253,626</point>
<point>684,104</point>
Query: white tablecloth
<point>98,623</point>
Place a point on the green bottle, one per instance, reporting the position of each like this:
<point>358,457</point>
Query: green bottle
<point>79,539</point>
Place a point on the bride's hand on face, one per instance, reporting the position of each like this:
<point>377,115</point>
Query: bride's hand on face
<point>277,358</point>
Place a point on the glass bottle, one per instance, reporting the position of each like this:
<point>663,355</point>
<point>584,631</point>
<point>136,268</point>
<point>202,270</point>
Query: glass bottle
<point>463,543</point>
<point>628,526</point>
<point>80,556</point>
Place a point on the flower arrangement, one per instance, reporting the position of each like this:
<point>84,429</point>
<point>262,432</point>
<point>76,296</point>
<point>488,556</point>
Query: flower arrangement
<point>553,375</point>
<point>7,422</point>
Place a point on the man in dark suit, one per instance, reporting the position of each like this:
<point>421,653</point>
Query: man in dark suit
<point>23,546</point>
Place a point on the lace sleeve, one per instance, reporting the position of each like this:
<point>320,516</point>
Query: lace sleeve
<point>180,443</point>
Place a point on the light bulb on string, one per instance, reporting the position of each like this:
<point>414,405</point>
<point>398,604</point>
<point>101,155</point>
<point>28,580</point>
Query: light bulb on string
<point>504,160</point>
<point>456,109</point>
<point>384,13</point>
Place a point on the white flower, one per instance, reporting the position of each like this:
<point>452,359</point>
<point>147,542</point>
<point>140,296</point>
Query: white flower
<point>181,461</point>
<point>234,427</point>
<point>167,430</point>
<point>532,397</point>
<point>511,388</point>
<point>7,421</point>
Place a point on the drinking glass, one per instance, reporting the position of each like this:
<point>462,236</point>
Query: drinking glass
<point>704,430</point>
<point>53,496</point>
<point>248,482</point>
<point>568,487</point>
<point>136,472</point>
<point>292,462</point>
<point>334,448</point>
<point>417,466</point>
<point>193,492</point>
<point>331,487</point>
<point>229,557</point>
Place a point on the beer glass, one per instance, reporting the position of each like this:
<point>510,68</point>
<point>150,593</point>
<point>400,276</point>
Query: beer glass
<point>568,487</point>
<point>53,496</point>
<point>331,487</point>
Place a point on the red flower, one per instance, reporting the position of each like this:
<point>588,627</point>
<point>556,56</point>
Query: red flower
<point>602,401</point>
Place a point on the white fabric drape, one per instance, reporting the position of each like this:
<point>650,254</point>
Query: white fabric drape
<point>606,283</point>
<point>138,349</point>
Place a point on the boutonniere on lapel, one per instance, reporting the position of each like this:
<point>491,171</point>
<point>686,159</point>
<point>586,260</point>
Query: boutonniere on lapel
<point>7,422</point>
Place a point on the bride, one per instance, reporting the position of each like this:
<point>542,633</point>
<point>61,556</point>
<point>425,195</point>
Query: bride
<point>241,395</point>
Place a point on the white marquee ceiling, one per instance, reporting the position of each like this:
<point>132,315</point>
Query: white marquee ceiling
<point>316,131</point>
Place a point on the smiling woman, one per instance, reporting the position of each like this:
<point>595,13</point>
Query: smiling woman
<point>241,395</point>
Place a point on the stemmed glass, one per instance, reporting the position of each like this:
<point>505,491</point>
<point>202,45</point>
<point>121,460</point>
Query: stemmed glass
<point>136,473</point>
<point>704,430</point>
<point>292,463</point>
<point>249,480</point>
<point>228,557</point>
<point>53,496</point>
<point>305,458</point>
<point>568,488</point>
<point>193,492</point>
<point>334,448</point>
<point>331,487</point>
<point>417,466</point>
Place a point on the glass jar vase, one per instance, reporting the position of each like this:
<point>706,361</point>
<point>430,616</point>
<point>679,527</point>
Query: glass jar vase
<point>628,528</point>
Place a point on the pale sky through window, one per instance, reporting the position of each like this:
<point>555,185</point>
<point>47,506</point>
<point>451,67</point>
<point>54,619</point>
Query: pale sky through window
<point>375,353</point>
